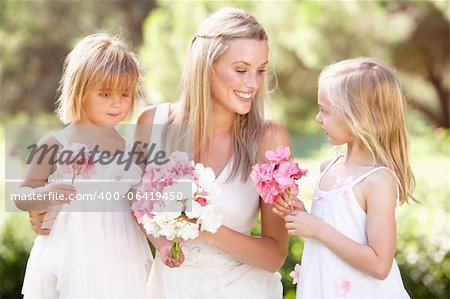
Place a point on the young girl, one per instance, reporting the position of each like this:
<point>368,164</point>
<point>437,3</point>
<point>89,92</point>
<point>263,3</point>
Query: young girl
<point>350,233</point>
<point>95,249</point>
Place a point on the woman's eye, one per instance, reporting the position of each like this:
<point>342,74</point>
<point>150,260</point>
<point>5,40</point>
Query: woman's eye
<point>241,71</point>
<point>262,71</point>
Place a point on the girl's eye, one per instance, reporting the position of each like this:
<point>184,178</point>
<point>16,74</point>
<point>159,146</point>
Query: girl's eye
<point>105,94</point>
<point>126,95</point>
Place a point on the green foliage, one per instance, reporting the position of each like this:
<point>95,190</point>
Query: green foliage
<point>304,37</point>
<point>35,37</point>
<point>423,250</point>
<point>15,243</point>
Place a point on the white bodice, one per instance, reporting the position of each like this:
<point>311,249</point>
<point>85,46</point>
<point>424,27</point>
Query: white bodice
<point>237,203</point>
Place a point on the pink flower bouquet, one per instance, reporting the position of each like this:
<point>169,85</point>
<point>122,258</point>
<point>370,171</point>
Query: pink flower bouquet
<point>277,176</point>
<point>80,164</point>
<point>163,209</point>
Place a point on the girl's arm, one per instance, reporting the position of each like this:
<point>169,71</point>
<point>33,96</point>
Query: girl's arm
<point>270,249</point>
<point>36,175</point>
<point>375,258</point>
<point>282,206</point>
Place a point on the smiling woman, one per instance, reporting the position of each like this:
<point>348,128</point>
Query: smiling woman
<point>237,75</point>
<point>222,100</point>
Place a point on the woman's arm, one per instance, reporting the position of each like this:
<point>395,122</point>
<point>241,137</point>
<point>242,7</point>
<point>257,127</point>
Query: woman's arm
<point>142,135</point>
<point>377,256</point>
<point>34,185</point>
<point>268,251</point>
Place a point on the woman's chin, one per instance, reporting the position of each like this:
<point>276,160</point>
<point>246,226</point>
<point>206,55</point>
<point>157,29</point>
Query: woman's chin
<point>243,108</point>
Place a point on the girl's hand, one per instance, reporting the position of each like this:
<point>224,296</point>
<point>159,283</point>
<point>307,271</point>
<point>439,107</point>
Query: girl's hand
<point>63,193</point>
<point>282,206</point>
<point>164,248</point>
<point>301,223</point>
<point>36,220</point>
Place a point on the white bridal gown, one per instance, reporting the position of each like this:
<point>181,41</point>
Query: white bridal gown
<point>208,272</point>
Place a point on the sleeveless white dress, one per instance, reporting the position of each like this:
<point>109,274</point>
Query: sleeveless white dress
<point>91,254</point>
<point>208,272</point>
<point>325,275</point>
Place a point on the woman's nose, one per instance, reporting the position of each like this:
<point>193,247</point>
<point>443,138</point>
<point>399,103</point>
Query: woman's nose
<point>251,81</point>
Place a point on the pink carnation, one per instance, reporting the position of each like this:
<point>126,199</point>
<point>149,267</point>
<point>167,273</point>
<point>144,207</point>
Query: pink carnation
<point>277,177</point>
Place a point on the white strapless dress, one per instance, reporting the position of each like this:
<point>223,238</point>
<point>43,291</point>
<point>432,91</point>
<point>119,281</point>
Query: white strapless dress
<point>207,271</point>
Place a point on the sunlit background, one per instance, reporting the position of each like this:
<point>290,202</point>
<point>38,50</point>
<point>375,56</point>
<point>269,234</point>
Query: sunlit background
<point>304,37</point>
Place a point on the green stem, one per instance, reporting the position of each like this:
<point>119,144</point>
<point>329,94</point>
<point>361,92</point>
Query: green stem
<point>290,199</point>
<point>73,177</point>
<point>175,253</point>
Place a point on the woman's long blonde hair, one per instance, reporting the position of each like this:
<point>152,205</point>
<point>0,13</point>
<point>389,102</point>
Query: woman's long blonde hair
<point>367,94</point>
<point>207,46</point>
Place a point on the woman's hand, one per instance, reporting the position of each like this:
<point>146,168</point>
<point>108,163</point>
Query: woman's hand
<point>283,206</point>
<point>37,219</point>
<point>164,248</point>
<point>64,193</point>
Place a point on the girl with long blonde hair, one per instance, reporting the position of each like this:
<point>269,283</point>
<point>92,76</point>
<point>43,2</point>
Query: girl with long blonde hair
<point>350,233</point>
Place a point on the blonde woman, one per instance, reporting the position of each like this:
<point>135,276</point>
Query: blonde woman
<point>222,100</point>
<point>350,233</point>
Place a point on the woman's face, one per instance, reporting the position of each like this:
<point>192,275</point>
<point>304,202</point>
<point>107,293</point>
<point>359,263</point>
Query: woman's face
<point>238,74</point>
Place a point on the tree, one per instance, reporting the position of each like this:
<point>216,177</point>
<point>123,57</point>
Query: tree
<point>37,35</point>
<point>426,54</point>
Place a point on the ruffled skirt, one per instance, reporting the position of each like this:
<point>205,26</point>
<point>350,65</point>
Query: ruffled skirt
<point>89,255</point>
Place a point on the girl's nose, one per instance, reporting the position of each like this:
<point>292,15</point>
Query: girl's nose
<point>116,101</point>
<point>318,118</point>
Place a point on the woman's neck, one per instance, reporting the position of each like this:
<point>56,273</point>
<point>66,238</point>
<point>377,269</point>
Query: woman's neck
<point>222,121</point>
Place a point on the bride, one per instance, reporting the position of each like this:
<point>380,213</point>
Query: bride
<point>222,99</point>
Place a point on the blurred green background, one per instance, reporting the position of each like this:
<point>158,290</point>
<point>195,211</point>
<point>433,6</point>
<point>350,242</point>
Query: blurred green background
<point>304,37</point>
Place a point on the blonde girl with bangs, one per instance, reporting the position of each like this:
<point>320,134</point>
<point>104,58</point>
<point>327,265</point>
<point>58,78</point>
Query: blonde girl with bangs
<point>350,234</point>
<point>94,249</point>
<point>223,89</point>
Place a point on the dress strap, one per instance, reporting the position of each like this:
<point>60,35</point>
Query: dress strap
<point>160,118</point>
<point>330,164</point>
<point>161,114</point>
<point>365,175</point>
<point>61,138</point>
<point>325,170</point>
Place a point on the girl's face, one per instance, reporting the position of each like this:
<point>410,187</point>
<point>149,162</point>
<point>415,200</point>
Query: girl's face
<point>334,125</point>
<point>238,74</point>
<point>105,106</point>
